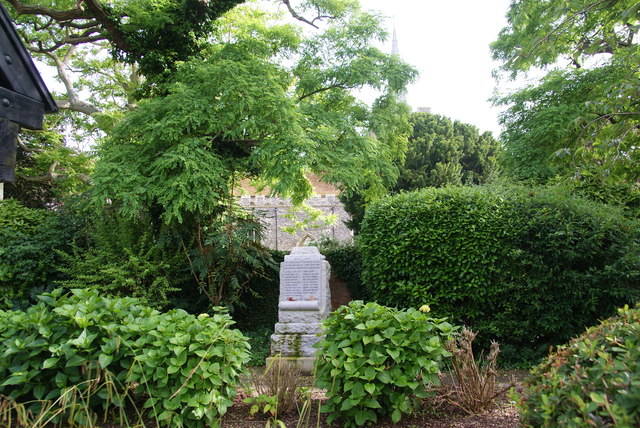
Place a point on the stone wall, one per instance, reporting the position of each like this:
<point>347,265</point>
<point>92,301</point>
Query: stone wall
<point>272,211</point>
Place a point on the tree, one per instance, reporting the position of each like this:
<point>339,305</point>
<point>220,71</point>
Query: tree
<point>105,53</point>
<point>153,34</point>
<point>48,170</point>
<point>581,121</point>
<point>440,152</point>
<point>267,103</point>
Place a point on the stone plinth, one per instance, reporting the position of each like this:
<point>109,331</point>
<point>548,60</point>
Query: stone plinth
<point>305,301</point>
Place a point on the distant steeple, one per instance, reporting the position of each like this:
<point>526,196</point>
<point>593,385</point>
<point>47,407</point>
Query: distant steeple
<point>395,50</point>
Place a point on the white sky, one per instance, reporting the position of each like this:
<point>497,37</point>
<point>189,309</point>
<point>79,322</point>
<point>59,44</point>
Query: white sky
<point>448,42</point>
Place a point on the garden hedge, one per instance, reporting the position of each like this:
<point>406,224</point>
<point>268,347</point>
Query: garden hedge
<point>529,267</point>
<point>257,311</point>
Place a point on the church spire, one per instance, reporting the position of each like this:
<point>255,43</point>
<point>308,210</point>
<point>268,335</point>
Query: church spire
<point>395,50</point>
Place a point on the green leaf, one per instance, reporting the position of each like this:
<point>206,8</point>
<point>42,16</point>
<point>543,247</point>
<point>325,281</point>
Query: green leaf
<point>361,417</point>
<point>348,404</point>
<point>598,398</point>
<point>39,392</point>
<point>395,354</point>
<point>165,415</point>
<point>50,362</point>
<point>14,380</point>
<point>105,360</point>
<point>384,377</point>
<point>370,388</point>
<point>75,360</point>
<point>372,403</point>
<point>396,416</point>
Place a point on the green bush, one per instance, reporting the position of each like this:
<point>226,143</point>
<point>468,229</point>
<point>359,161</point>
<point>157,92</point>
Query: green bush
<point>529,268</point>
<point>257,311</point>
<point>29,241</point>
<point>592,381</point>
<point>185,367</point>
<point>376,361</point>
<point>258,307</point>
<point>124,258</point>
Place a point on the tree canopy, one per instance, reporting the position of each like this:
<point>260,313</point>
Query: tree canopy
<point>154,34</point>
<point>265,101</point>
<point>539,32</point>
<point>442,152</point>
<point>581,120</point>
<point>242,113</point>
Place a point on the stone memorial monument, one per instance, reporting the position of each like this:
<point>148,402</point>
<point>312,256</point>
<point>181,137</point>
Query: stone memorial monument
<point>305,301</point>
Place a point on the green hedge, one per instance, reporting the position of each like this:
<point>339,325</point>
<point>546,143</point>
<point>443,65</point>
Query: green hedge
<point>527,267</point>
<point>184,368</point>
<point>592,381</point>
<point>258,306</point>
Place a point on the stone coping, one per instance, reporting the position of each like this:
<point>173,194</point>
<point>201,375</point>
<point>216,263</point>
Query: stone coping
<point>299,305</point>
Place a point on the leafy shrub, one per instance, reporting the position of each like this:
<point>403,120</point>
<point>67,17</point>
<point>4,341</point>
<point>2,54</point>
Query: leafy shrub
<point>260,341</point>
<point>376,361</point>
<point>257,311</point>
<point>527,267</point>
<point>29,238</point>
<point>258,307</point>
<point>186,367</point>
<point>592,381</point>
<point>123,258</point>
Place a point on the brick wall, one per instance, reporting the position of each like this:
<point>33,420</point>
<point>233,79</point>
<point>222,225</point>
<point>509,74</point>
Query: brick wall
<point>272,211</point>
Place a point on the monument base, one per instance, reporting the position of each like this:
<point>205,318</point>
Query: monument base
<point>304,364</point>
<point>293,345</point>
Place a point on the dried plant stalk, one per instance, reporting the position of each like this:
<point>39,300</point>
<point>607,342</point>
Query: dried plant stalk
<point>474,384</point>
<point>280,380</point>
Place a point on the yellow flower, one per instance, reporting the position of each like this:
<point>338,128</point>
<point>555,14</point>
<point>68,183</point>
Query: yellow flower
<point>424,308</point>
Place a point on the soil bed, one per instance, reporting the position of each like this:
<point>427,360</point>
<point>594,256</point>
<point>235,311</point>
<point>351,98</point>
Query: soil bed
<point>502,415</point>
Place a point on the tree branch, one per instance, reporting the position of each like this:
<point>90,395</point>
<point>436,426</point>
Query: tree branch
<point>89,24</point>
<point>241,140</point>
<point>107,23</point>
<point>563,23</point>
<point>92,11</point>
<point>317,91</point>
<point>58,15</point>
<point>73,102</point>
<point>297,16</point>
<point>24,147</point>
<point>71,40</point>
<point>49,176</point>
